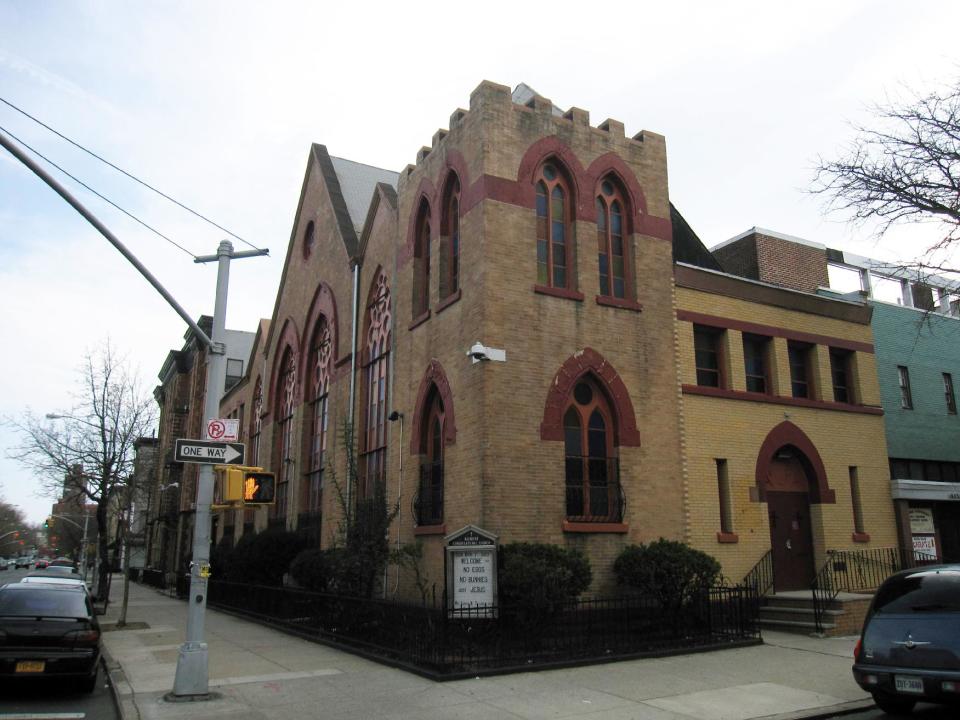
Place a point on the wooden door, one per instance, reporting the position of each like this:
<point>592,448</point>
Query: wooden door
<point>791,540</point>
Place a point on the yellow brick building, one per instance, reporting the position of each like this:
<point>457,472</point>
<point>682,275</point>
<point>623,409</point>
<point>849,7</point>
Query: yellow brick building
<point>784,439</point>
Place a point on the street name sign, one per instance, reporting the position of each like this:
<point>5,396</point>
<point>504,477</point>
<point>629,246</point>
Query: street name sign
<point>211,453</point>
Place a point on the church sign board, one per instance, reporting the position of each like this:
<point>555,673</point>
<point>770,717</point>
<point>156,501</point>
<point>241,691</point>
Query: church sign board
<point>471,569</point>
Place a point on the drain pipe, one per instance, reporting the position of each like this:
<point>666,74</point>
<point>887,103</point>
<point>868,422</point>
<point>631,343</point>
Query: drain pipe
<point>353,374</point>
<point>393,417</point>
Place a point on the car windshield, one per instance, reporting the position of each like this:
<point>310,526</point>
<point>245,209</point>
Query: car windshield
<point>922,591</point>
<point>37,601</point>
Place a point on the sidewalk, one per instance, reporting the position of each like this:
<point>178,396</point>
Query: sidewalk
<point>261,673</point>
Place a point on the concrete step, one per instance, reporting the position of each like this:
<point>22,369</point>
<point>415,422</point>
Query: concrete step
<point>798,626</point>
<point>796,613</point>
<point>793,602</point>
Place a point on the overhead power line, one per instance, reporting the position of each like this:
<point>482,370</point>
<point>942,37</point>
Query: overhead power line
<point>124,172</point>
<point>102,197</point>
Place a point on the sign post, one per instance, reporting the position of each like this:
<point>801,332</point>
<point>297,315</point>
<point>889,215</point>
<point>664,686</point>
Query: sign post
<point>192,679</point>
<point>471,569</point>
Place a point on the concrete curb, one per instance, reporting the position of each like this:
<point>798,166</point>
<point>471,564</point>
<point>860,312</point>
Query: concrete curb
<point>821,713</point>
<point>119,687</point>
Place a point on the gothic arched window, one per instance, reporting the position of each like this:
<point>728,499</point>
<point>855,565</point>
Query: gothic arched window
<point>592,482</point>
<point>421,261</point>
<point>554,223</point>
<point>613,258</point>
<point>319,363</point>
<point>373,436</point>
<point>450,239</point>
<point>286,464</point>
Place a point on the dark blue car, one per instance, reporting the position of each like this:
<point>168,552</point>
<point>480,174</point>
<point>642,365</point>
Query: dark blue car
<point>909,650</point>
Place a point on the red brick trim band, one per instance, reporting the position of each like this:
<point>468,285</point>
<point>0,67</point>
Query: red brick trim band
<point>786,433</point>
<point>448,301</point>
<point>590,527</point>
<point>860,537</point>
<point>727,538</point>
<point>589,361</point>
<point>619,303</point>
<point>773,331</point>
<point>431,529</point>
<point>779,399</point>
<point>558,292</point>
<point>435,379</point>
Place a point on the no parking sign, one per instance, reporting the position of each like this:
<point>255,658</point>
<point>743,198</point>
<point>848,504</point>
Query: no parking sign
<point>223,429</point>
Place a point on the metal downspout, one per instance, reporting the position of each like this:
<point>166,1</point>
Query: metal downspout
<point>354,329</point>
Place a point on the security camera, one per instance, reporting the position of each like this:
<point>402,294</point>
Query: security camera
<point>477,352</point>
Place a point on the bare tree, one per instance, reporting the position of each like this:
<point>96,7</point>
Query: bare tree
<point>14,530</point>
<point>92,444</point>
<point>905,169</point>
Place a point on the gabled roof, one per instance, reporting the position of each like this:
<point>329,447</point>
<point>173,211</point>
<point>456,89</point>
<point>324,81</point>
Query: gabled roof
<point>350,186</point>
<point>357,183</point>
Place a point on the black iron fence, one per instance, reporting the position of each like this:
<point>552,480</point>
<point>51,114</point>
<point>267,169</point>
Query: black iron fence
<point>487,639</point>
<point>859,571</point>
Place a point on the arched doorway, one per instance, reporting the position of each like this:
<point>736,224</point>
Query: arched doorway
<point>787,487</point>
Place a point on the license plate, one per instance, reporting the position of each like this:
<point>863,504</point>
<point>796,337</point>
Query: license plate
<point>907,684</point>
<point>30,666</point>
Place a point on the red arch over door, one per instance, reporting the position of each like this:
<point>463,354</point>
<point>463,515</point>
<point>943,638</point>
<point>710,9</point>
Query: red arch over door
<point>786,433</point>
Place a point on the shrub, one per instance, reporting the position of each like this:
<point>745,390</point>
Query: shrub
<point>536,579</point>
<point>669,571</point>
<point>263,558</point>
<point>317,570</point>
<point>220,556</point>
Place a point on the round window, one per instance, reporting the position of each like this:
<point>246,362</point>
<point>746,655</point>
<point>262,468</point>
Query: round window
<point>607,187</point>
<point>583,393</point>
<point>549,172</point>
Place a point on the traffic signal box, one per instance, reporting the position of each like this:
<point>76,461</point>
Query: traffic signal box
<point>240,485</point>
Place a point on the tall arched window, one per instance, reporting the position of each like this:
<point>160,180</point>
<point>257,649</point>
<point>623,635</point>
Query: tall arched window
<point>430,496</point>
<point>554,241</point>
<point>255,422</point>
<point>318,389</point>
<point>611,244</point>
<point>450,239</point>
<point>286,463</point>
<point>592,477</point>
<point>373,445</point>
<point>421,261</point>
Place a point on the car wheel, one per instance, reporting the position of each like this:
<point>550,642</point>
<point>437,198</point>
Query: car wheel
<point>894,705</point>
<point>88,685</point>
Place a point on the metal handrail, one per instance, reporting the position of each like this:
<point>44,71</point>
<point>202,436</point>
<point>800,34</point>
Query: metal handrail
<point>760,576</point>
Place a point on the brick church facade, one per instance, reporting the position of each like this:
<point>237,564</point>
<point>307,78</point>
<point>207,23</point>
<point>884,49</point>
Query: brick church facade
<point>530,231</point>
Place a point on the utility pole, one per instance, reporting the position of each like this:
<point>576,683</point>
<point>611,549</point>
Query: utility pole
<point>192,678</point>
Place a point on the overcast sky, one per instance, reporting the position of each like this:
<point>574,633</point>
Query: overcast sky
<point>216,103</point>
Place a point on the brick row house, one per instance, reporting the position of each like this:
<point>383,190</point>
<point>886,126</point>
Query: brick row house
<point>634,390</point>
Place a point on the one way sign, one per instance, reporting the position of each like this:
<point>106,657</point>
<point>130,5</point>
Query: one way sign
<point>211,453</point>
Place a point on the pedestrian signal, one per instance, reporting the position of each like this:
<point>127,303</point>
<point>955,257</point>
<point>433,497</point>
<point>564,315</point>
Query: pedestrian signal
<point>259,488</point>
<point>245,485</point>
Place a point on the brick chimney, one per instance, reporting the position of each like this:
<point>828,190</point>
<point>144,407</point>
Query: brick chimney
<point>775,258</point>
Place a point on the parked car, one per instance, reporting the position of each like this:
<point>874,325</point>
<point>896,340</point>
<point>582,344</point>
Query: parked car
<point>24,561</point>
<point>49,632</point>
<point>4,564</point>
<point>62,562</point>
<point>909,649</point>
<point>62,579</point>
<point>40,564</point>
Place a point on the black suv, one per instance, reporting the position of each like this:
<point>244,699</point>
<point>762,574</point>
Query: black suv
<point>910,646</point>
